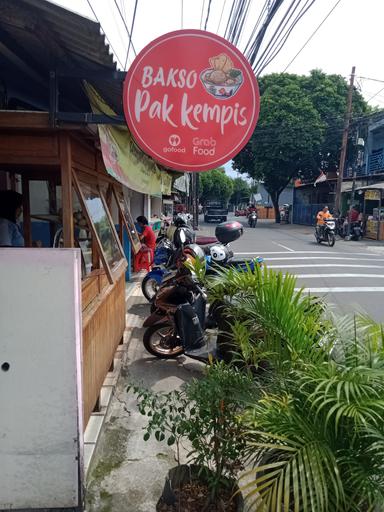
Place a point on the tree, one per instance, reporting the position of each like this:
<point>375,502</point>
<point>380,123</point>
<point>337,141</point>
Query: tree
<point>241,191</point>
<point>299,129</point>
<point>215,184</point>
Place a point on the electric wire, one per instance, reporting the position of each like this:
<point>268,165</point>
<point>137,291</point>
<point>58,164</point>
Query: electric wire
<point>130,39</point>
<point>105,35</point>
<point>276,46</point>
<point>202,14</point>
<point>311,36</point>
<point>221,16</point>
<point>126,27</point>
<point>208,12</point>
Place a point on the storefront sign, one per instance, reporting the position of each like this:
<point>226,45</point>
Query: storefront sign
<point>372,195</point>
<point>191,100</point>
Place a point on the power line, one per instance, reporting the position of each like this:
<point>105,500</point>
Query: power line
<point>126,27</point>
<point>221,16</point>
<point>374,96</point>
<point>313,33</point>
<point>208,11</point>
<point>130,39</point>
<point>105,35</point>
<point>202,13</point>
<point>372,79</point>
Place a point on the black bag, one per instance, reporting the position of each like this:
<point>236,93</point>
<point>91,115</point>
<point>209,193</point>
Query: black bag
<point>189,327</point>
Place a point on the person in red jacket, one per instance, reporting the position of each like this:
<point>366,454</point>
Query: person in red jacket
<point>144,258</point>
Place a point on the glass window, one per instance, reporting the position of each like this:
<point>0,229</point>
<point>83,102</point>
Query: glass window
<point>105,231</point>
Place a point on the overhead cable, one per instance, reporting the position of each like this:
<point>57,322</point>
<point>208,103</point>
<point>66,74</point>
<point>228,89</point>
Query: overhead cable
<point>105,35</point>
<point>311,36</point>
<point>207,18</point>
<point>130,39</point>
<point>126,27</point>
<point>202,14</point>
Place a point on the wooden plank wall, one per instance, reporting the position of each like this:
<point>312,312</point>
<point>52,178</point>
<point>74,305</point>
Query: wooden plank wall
<point>103,329</point>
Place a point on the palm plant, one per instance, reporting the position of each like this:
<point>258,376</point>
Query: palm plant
<point>319,445</point>
<point>270,317</point>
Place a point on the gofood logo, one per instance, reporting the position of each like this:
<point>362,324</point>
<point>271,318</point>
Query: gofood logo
<point>174,142</point>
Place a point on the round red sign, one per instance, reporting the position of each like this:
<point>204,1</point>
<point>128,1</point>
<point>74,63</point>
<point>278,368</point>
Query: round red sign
<point>191,100</point>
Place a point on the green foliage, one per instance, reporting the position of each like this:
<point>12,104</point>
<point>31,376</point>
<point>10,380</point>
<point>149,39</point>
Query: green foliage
<point>216,185</point>
<point>206,413</point>
<point>300,125</point>
<point>241,191</point>
<point>273,319</point>
<point>315,433</point>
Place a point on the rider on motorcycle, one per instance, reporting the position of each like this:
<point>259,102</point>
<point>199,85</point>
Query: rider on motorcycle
<point>321,217</point>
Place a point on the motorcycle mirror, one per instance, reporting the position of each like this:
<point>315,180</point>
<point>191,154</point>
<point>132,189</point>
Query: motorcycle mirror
<point>183,237</point>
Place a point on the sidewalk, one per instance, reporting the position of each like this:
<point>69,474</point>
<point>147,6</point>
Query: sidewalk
<point>127,474</point>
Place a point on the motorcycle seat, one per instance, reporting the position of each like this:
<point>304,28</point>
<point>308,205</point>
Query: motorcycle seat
<point>206,240</point>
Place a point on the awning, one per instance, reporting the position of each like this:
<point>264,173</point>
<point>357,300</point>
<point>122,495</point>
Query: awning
<point>374,186</point>
<point>123,159</point>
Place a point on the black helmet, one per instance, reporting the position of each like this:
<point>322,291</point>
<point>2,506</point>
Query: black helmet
<point>181,220</point>
<point>189,236</point>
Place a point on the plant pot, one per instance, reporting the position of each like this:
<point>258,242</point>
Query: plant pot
<point>184,474</point>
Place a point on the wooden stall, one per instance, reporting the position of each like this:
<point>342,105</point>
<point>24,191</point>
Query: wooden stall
<point>81,194</point>
<point>373,210</point>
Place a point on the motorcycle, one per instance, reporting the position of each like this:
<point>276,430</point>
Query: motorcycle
<point>179,323</point>
<point>326,232</point>
<point>354,231</point>
<point>218,253</point>
<point>252,219</point>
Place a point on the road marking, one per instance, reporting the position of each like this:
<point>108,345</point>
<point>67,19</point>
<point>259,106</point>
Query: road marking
<point>344,289</point>
<point>254,253</point>
<point>284,247</point>
<point>294,258</point>
<point>322,265</point>
<point>305,276</point>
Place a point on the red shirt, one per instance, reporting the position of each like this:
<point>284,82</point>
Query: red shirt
<point>149,237</point>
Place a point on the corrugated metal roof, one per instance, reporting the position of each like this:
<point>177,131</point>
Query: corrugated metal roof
<point>37,36</point>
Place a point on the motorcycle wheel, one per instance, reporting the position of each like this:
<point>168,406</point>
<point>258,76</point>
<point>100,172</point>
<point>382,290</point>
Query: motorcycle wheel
<point>149,287</point>
<point>331,239</point>
<point>161,341</point>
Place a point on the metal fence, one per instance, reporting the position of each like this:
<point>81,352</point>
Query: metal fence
<point>306,213</point>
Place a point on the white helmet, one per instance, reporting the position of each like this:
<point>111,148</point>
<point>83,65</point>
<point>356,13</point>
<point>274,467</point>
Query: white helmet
<point>218,253</point>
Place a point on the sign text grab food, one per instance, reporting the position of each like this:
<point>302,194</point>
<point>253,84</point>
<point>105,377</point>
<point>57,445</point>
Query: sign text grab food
<point>191,100</point>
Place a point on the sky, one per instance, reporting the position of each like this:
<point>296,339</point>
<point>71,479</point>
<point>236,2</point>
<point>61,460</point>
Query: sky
<point>352,35</point>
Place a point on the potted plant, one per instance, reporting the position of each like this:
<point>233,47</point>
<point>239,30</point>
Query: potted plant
<point>204,414</point>
<point>318,445</point>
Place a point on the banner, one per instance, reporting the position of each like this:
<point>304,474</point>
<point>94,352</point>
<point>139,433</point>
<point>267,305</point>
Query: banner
<point>123,160</point>
<point>191,100</point>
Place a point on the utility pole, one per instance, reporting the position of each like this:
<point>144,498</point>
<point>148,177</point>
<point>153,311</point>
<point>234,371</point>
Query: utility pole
<point>344,143</point>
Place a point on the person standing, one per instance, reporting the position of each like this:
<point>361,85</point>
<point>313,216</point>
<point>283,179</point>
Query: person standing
<point>10,211</point>
<point>144,257</point>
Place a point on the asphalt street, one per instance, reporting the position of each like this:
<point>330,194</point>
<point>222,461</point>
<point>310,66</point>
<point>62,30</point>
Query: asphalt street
<point>350,275</point>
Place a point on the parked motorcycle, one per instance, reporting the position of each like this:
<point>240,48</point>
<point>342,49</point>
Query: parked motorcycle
<point>326,232</point>
<point>252,219</point>
<point>354,232</point>
<point>179,323</point>
<point>219,253</point>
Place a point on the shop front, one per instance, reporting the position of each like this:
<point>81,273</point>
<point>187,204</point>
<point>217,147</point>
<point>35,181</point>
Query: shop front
<point>373,211</point>
<point>73,209</point>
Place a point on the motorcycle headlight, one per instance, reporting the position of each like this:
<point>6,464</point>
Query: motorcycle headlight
<point>331,225</point>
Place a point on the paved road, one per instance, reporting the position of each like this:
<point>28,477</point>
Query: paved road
<point>350,274</point>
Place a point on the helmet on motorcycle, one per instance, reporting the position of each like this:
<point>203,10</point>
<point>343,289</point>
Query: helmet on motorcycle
<point>188,239</point>
<point>194,251</point>
<point>181,220</point>
<point>218,253</point>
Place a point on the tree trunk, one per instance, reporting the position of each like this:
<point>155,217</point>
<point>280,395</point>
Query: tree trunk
<point>275,202</point>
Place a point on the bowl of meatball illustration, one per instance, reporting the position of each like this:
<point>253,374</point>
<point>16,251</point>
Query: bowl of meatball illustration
<point>221,80</point>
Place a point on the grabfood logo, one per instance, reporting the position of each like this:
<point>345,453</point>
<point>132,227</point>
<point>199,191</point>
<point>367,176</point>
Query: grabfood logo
<point>174,142</point>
